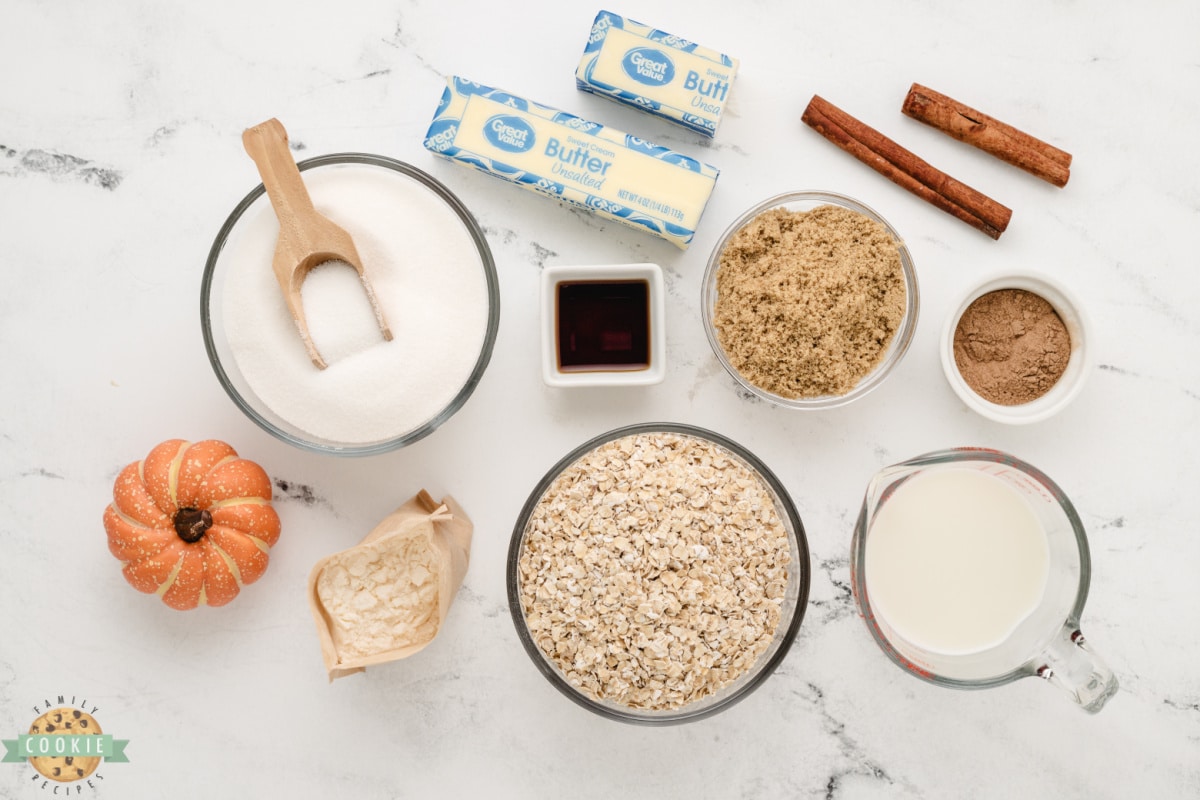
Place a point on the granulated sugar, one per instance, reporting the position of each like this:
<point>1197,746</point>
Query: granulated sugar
<point>340,319</point>
<point>431,285</point>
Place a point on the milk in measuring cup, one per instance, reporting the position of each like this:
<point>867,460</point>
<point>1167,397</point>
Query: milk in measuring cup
<point>955,560</point>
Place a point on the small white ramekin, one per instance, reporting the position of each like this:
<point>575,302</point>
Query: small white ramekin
<point>652,374</point>
<point>1078,367</point>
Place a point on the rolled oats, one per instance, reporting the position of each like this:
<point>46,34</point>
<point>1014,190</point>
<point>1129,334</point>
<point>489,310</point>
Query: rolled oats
<point>653,570</point>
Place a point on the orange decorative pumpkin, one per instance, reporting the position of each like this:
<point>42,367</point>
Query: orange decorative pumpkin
<point>192,523</point>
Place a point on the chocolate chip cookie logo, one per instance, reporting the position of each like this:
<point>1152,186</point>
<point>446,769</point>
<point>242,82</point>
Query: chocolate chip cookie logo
<point>65,745</point>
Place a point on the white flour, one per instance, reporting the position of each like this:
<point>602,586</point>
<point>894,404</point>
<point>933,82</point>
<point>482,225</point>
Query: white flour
<point>431,285</point>
<point>381,598</point>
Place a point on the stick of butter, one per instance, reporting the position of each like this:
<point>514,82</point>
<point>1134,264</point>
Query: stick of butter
<point>615,175</point>
<point>656,72</point>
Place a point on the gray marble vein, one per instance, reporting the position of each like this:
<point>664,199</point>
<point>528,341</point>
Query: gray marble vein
<point>299,492</point>
<point>61,166</point>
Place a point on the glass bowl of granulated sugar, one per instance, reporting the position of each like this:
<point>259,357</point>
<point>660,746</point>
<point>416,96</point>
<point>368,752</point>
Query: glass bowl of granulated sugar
<point>432,273</point>
<point>810,300</point>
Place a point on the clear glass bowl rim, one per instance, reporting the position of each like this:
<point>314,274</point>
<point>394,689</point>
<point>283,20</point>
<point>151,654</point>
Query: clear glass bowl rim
<point>901,341</point>
<point>493,322</point>
<point>683,714</point>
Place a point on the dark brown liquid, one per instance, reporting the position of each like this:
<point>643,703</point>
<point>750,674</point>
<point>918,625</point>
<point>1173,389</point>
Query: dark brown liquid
<point>603,325</point>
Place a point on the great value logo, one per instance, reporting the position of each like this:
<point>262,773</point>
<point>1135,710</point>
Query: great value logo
<point>649,66</point>
<point>440,136</point>
<point>509,133</point>
<point>604,21</point>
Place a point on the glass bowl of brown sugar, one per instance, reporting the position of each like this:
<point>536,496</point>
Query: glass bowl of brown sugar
<point>1016,349</point>
<point>810,300</point>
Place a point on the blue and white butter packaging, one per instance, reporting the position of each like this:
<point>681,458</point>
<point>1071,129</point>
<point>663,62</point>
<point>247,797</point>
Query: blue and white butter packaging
<point>656,72</point>
<point>615,175</point>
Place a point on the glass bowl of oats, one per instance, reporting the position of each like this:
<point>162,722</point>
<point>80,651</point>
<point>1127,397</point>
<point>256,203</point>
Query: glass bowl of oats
<point>810,300</point>
<point>658,574</point>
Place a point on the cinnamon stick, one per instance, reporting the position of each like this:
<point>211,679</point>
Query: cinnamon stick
<point>988,134</point>
<point>905,169</point>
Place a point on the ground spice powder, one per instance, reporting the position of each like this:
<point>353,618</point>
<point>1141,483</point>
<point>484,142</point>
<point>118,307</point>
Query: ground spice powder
<point>1011,346</point>
<point>808,301</point>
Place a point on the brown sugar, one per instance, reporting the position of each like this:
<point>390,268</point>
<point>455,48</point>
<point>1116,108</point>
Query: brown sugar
<point>1011,346</point>
<point>808,301</point>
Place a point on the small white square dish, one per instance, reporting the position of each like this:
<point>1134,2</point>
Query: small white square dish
<point>603,325</point>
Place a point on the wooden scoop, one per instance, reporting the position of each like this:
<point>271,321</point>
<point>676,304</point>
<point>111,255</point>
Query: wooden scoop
<point>306,238</point>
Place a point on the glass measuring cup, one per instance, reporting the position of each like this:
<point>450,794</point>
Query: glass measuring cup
<point>1047,641</point>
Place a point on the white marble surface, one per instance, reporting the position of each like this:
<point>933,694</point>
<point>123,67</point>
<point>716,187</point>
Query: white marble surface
<point>119,159</point>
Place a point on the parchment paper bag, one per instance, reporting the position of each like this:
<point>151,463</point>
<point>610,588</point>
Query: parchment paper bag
<point>387,597</point>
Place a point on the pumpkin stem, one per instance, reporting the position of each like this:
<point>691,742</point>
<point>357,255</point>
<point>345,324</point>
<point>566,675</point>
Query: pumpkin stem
<point>191,523</point>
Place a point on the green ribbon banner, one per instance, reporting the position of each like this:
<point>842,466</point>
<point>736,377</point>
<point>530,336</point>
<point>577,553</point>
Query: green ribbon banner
<point>83,746</point>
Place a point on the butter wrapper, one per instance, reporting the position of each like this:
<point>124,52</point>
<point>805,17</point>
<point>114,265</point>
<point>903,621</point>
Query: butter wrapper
<point>656,72</point>
<point>584,164</point>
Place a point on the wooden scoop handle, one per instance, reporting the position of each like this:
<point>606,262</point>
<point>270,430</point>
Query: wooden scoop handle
<point>267,144</point>
<point>306,237</point>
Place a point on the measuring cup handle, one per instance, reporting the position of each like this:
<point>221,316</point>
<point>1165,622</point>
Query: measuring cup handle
<point>1070,664</point>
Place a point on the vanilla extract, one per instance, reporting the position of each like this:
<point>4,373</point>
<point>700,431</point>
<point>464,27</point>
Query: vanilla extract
<point>603,325</point>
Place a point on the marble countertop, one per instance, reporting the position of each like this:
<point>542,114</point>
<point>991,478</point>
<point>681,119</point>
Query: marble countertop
<point>120,157</point>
